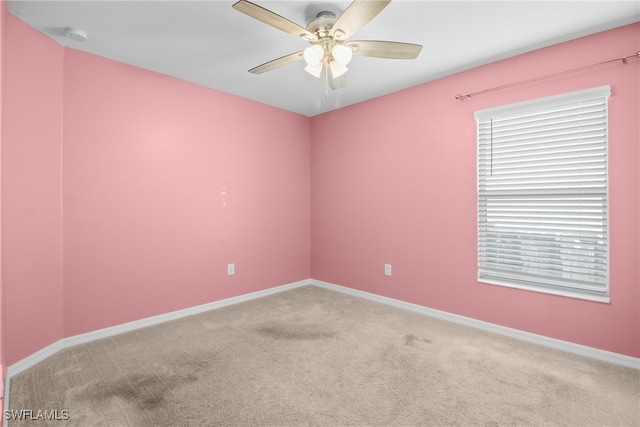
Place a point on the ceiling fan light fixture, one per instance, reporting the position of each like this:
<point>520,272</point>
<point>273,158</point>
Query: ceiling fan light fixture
<point>337,69</point>
<point>342,54</point>
<point>328,36</point>
<point>314,70</point>
<point>313,55</point>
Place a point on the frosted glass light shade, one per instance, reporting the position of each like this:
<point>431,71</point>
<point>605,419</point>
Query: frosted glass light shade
<point>337,70</point>
<point>313,54</point>
<point>342,54</point>
<point>314,70</point>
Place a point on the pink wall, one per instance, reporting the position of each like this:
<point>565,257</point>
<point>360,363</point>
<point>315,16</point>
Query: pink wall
<point>128,192</point>
<point>165,183</point>
<point>3,369</point>
<point>31,209</point>
<point>399,187</point>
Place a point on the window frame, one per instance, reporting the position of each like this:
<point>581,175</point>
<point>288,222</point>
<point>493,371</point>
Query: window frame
<point>518,280</point>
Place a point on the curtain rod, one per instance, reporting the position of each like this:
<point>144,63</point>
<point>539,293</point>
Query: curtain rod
<point>624,60</point>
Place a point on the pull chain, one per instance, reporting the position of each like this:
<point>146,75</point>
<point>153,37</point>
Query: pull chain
<point>326,79</point>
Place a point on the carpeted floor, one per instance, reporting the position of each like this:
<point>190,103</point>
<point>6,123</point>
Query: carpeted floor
<point>311,356</point>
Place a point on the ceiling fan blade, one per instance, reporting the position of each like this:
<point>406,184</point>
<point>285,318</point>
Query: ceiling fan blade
<point>273,19</point>
<point>385,49</point>
<point>276,63</point>
<point>356,16</point>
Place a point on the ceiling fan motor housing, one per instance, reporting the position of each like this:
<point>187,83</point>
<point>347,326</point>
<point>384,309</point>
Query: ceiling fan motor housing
<point>321,26</point>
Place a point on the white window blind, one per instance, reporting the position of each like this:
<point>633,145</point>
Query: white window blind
<point>543,194</point>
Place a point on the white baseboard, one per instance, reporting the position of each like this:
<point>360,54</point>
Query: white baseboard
<point>52,349</point>
<point>154,320</point>
<point>39,356</point>
<point>582,350</point>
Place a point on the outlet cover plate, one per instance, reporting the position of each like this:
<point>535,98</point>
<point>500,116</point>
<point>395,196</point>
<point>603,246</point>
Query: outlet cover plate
<point>387,269</point>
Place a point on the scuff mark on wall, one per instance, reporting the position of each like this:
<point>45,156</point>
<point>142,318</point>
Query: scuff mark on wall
<point>223,196</point>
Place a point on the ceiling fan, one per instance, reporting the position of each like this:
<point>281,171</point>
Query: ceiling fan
<point>327,34</point>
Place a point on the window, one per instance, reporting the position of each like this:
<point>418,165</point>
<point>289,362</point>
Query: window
<point>543,195</point>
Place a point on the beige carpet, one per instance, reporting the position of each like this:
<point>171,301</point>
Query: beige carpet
<point>311,356</point>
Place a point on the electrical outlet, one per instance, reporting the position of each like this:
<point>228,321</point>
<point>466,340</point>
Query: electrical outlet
<point>387,269</point>
<point>231,269</point>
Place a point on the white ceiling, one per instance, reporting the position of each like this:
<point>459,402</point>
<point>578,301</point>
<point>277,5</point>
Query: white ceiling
<point>211,44</point>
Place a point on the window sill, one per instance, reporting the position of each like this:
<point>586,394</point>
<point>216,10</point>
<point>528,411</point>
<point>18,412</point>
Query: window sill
<point>558,292</point>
